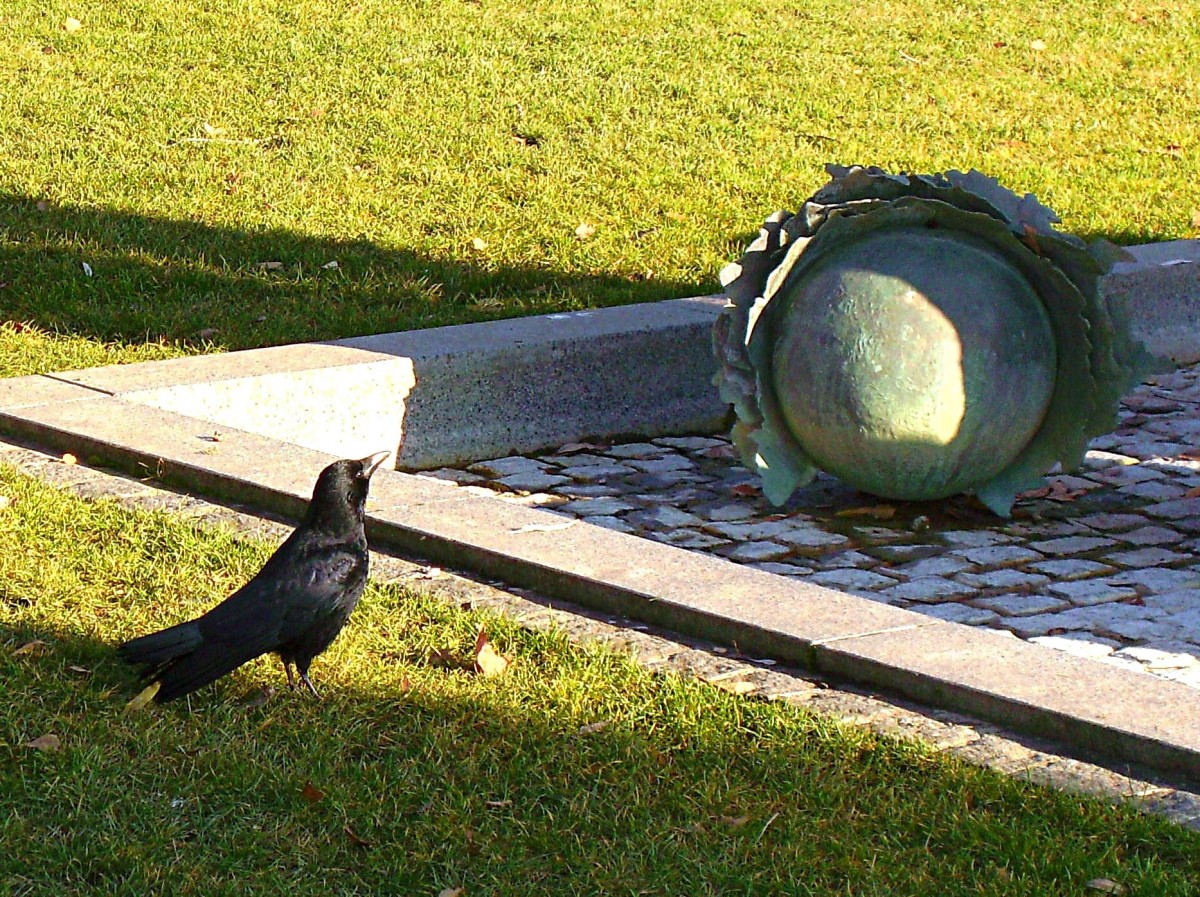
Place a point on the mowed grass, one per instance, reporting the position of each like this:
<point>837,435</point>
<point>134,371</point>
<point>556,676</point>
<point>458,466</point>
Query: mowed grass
<point>211,161</point>
<point>575,773</point>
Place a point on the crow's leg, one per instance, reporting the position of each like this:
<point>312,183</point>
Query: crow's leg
<point>287,668</point>
<point>308,683</point>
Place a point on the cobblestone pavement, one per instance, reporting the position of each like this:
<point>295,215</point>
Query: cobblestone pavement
<point>1103,563</point>
<point>946,732</point>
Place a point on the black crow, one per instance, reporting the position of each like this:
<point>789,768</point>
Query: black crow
<point>295,606</point>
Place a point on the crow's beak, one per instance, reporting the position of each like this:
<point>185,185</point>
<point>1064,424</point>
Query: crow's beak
<point>372,462</point>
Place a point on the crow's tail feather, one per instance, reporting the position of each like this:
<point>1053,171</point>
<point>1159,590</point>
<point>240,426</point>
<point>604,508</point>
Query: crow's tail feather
<point>180,660</point>
<point>156,650</point>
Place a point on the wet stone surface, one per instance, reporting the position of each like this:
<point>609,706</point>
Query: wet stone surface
<point>1103,561</point>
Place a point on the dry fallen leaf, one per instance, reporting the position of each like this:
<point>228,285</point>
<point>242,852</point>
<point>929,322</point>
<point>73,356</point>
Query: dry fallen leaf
<point>207,333</point>
<point>598,726</point>
<point>72,25</point>
<point>879,512</point>
<point>1192,493</point>
<point>43,206</point>
<point>499,804</point>
<point>68,458</point>
<point>585,230</point>
<point>1106,886</point>
<point>268,266</point>
<point>256,697</point>
<point>489,661</point>
<point>746,490</point>
<point>143,697</point>
<point>45,743</point>
<point>1037,45</point>
<point>82,671</point>
<point>735,821</point>
<point>358,842</point>
<point>1195,217</point>
<point>312,793</point>
<point>331,266</point>
<point>212,130</point>
<point>451,892</point>
<point>478,244</point>
<point>37,646</point>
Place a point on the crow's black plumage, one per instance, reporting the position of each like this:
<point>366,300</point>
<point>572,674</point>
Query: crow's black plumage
<point>295,606</point>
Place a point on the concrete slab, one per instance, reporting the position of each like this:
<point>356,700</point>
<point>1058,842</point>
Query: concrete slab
<point>1160,290</point>
<point>1099,708</point>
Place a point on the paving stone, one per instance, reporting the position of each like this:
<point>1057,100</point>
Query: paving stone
<point>451,475</point>
<point>957,613</point>
<point>687,538</point>
<point>1071,545</point>
<point>780,569</point>
<point>768,529</point>
<point>613,523</point>
<point>640,450</point>
<point>1126,475</point>
<point>900,554</point>
<point>667,465</point>
<point>1072,568</point>
<point>1174,602</point>
<point>847,559</point>
<point>1086,592</point>
<point>1096,459</point>
<point>1163,579</point>
<point>592,473</point>
<point>811,537</point>
<point>851,579</point>
<point>666,515</point>
<point>1146,557</point>
<point>941,565</point>
<point>1004,578</point>
<point>1185,621</point>
<point>928,590</point>
<point>729,512</point>
<point>1159,491</point>
<point>503,467</point>
<point>1151,535</point>
<point>1139,629</point>
<point>597,507</point>
<point>1114,522</point>
<point>999,555</point>
<point>532,481</point>
<point>1174,510</point>
<point>879,533</point>
<point>590,490</point>
<point>1017,605</point>
<point>974,538</point>
<point>690,443</point>
<point>756,551</point>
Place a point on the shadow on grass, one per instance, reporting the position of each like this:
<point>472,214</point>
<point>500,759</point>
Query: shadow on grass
<point>158,279</point>
<point>576,774</point>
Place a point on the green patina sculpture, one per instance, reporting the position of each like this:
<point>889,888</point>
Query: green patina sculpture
<point>920,336</point>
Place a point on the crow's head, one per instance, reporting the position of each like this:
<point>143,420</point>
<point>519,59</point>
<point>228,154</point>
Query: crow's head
<point>341,493</point>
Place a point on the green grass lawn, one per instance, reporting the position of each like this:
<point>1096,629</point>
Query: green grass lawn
<point>236,173</point>
<point>211,159</point>
<point>576,773</point>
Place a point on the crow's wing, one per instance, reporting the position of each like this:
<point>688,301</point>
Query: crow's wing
<point>273,608</point>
